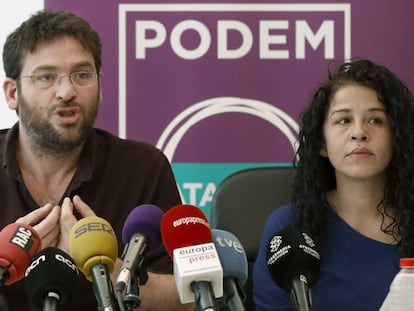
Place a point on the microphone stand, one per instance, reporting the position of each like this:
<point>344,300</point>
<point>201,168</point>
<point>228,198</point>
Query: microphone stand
<point>203,296</point>
<point>234,295</point>
<point>103,289</point>
<point>3,303</point>
<point>4,274</point>
<point>139,277</point>
<point>300,294</point>
<point>50,303</point>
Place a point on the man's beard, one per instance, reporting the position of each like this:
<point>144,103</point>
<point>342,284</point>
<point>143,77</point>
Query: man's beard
<point>48,141</point>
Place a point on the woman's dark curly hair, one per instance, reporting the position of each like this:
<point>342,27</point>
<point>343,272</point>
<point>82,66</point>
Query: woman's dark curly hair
<point>315,174</point>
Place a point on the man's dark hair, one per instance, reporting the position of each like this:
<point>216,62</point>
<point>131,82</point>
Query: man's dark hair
<point>42,28</point>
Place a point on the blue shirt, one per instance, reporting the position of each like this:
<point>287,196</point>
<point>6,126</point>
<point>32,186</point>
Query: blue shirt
<point>355,275</point>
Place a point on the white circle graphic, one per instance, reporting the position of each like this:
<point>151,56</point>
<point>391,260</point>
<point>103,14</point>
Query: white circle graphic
<point>177,128</point>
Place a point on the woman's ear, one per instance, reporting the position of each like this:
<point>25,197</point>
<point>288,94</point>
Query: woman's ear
<point>323,152</point>
<point>10,92</point>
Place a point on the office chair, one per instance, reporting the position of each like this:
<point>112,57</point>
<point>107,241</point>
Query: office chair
<point>242,203</point>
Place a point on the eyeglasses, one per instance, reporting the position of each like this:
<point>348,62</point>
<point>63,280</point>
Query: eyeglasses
<point>79,78</point>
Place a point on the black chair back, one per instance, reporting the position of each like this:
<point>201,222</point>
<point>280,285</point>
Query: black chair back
<point>242,203</point>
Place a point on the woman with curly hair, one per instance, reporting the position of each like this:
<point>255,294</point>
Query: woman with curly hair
<point>353,191</point>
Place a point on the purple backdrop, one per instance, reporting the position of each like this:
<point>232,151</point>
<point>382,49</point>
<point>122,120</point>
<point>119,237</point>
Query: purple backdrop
<point>220,87</point>
<point>160,86</point>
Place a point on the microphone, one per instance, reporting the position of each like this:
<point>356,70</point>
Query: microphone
<point>197,270</point>
<point>235,268</point>
<point>141,232</point>
<point>94,248</point>
<point>294,263</point>
<point>51,279</point>
<point>18,243</point>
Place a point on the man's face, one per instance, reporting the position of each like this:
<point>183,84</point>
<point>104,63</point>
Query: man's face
<point>59,117</point>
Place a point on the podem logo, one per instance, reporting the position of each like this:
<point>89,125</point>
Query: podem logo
<point>173,133</point>
<point>201,193</point>
<point>157,34</point>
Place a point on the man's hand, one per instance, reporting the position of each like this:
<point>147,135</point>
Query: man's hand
<point>68,219</point>
<point>45,220</point>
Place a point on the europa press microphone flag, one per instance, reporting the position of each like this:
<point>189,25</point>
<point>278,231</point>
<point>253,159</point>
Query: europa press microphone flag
<point>188,239</point>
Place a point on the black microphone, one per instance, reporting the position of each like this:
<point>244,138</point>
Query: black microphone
<point>51,279</point>
<point>141,233</point>
<point>294,263</point>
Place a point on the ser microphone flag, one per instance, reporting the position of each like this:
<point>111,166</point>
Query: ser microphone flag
<point>294,263</point>
<point>94,248</point>
<point>197,270</point>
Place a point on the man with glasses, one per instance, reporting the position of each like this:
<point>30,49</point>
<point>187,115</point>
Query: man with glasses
<point>57,168</point>
<point>48,79</point>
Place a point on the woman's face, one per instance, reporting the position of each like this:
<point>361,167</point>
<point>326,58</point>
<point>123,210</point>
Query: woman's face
<point>357,133</point>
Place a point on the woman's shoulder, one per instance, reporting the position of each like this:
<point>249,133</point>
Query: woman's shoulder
<point>282,214</point>
<point>279,219</point>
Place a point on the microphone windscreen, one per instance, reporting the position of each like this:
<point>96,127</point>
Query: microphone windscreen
<point>51,271</point>
<point>92,241</point>
<point>184,225</point>
<point>291,253</point>
<point>232,255</point>
<point>18,244</point>
<point>146,220</point>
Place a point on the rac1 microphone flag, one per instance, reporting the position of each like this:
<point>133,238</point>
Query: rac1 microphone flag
<point>140,234</point>
<point>197,270</point>
<point>294,263</point>
<point>94,248</point>
<point>18,244</point>
<point>51,279</point>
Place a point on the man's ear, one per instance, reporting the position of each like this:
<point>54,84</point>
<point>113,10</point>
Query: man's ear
<point>100,95</point>
<point>10,93</point>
